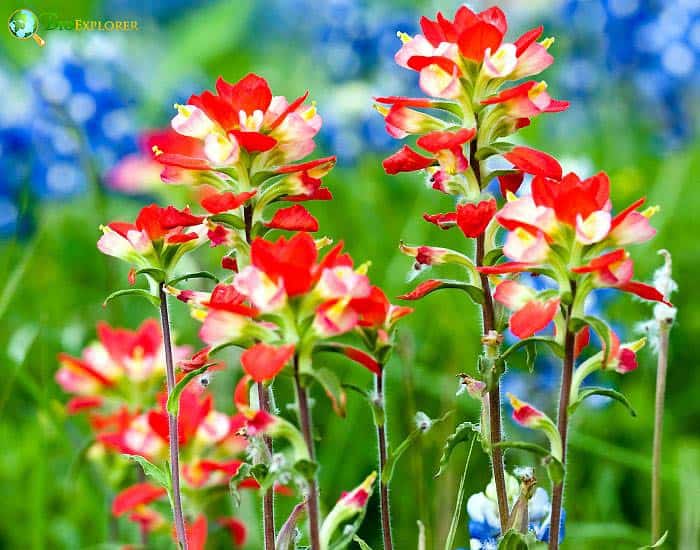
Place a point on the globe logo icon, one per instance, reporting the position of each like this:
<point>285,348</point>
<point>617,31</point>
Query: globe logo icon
<point>24,24</point>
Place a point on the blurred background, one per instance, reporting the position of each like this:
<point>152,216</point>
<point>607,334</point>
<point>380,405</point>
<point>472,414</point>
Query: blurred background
<point>71,158</point>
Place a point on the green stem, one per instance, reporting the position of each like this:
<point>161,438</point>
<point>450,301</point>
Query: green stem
<point>461,493</point>
<point>658,432</point>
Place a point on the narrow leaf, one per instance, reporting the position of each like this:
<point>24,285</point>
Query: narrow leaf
<point>196,275</point>
<point>362,544</point>
<point>495,148</point>
<point>334,390</point>
<point>285,537</point>
<point>173,404</point>
<point>230,220</point>
<point>244,472</point>
<point>461,434</point>
<point>607,392</point>
<point>532,341</point>
<point>658,544</point>
<point>157,274</point>
<point>138,292</point>
<point>377,409</point>
<point>151,470</point>
<point>449,543</point>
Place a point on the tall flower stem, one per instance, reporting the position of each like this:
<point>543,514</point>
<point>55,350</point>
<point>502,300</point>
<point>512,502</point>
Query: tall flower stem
<point>658,432</point>
<point>268,497</point>
<point>264,404</point>
<point>172,421</point>
<point>306,430</point>
<point>494,394</point>
<point>384,509</point>
<point>563,427</point>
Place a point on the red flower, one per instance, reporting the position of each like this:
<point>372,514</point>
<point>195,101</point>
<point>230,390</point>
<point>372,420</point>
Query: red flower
<point>196,533</point>
<point>137,495</point>
<point>236,529</point>
<point>289,261</point>
<point>532,161</point>
<point>263,361</point>
<point>531,314</point>
<point>293,218</point>
<point>472,218</point>
<point>571,197</point>
<point>423,289</point>
<point>527,100</point>
<point>217,203</point>
<point>406,160</point>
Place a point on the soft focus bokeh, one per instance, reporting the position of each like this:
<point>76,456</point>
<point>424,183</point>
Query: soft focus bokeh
<point>73,110</point>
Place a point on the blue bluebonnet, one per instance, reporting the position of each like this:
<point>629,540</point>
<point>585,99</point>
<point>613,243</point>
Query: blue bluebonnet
<point>484,525</point>
<point>653,45</point>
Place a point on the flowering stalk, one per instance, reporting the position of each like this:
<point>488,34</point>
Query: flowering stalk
<point>384,509</point>
<point>563,422</point>
<point>494,394</point>
<point>306,430</point>
<point>663,317</point>
<point>173,439</point>
<point>661,368</point>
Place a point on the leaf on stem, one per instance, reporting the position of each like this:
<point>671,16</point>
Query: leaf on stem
<point>138,292</point>
<point>460,435</point>
<point>287,533</point>
<point>607,392</point>
<point>173,404</point>
<point>513,540</point>
<point>155,273</point>
<point>600,328</point>
<point>334,390</point>
<point>375,405</point>
<point>555,468</point>
<point>196,275</point>
<point>158,475</point>
<point>362,544</point>
<point>658,544</point>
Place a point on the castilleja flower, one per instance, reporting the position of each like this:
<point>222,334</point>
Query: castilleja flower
<point>158,238</point>
<point>531,313</point>
<point>244,117</point>
<point>134,503</point>
<point>111,368</point>
<point>348,507</point>
<point>471,218</point>
<point>529,417</point>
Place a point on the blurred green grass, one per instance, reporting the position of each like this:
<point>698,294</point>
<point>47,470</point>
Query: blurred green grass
<point>53,287</point>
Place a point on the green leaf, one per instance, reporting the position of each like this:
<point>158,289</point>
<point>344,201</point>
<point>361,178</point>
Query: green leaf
<point>460,435</point>
<point>244,472</point>
<point>496,173</point>
<point>307,468</point>
<point>475,293</point>
<point>231,220</point>
<point>157,274</point>
<point>173,404</point>
<point>513,540</point>
<point>362,544</point>
<point>334,390</point>
<point>532,341</point>
<point>158,475</point>
<point>599,327</point>
<point>138,292</point>
<point>286,534</point>
<point>658,544</point>
<point>555,468</point>
<point>495,148</point>
<point>196,275</point>
<point>607,392</point>
<point>492,256</point>
<point>394,455</point>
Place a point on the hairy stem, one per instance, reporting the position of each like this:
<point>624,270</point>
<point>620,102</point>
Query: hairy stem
<point>658,433</point>
<point>488,315</point>
<point>563,427</point>
<point>268,497</point>
<point>494,398</point>
<point>384,509</point>
<point>172,421</point>
<point>306,430</point>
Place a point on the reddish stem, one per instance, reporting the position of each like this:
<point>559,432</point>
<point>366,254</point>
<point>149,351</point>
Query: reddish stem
<point>384,509</point>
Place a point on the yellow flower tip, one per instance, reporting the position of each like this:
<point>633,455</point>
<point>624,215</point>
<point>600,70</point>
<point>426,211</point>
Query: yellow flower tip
<point>547,42</point>
<point>510,196</point>
<point>649,212</point>
<point>157,151</point>
<point>538,88</point>
<point>323,242</point>
<point>381,109</point>
<point>182,109</point>
<point>364,268</point>
<point>514,401</point>
<point>637,344</point>
<point>403,37</point>
<point>369,481</point>
<point>198,314</point>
